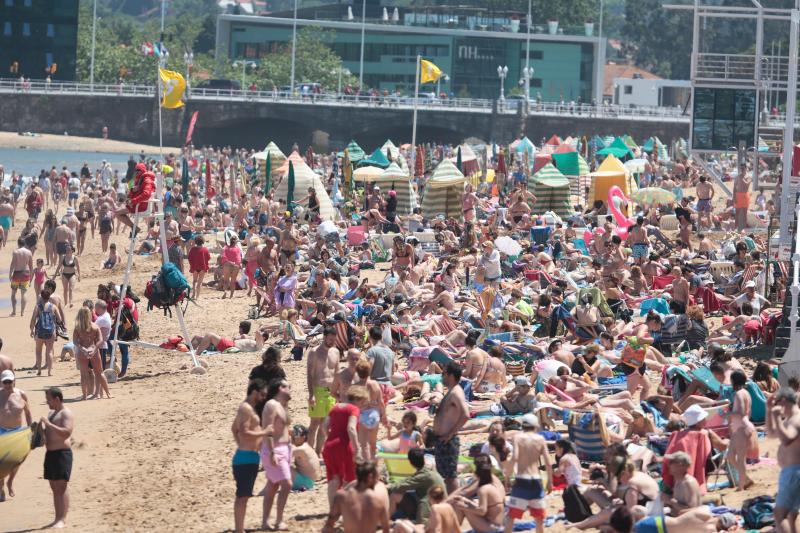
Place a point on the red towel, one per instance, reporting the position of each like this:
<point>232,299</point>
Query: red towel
<point>709,298</point>
<point>661,282</point>
<point>695,443</point>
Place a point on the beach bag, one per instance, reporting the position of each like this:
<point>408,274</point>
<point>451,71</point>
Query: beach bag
<point>173,277</point>
<point>632,357</point>
<point>759,512</point>
<point>45,323</point>
<point>167,288</point>
<point>576,508</point>
<point>128,328</point>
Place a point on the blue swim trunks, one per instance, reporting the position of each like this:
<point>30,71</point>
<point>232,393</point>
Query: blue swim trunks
<point>788,496</point>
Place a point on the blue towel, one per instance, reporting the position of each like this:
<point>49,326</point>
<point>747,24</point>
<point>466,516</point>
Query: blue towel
<point>525,526</point>
<point>657,304</point>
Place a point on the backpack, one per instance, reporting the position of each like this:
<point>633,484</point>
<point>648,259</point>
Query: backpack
<point>128,328</point>
<point>45,323</point>
<point>576,508</point>
<point>167,288</point>
<point>758,512</point>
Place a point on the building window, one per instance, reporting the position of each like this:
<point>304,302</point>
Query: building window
<point>9,3</point>
<point>536,82</point>
<point>7,29</point>
<point>26,29</point>
<point>51,30</point>
<point>537,54</point>
<point>28,3</point>
<point>628,89</point>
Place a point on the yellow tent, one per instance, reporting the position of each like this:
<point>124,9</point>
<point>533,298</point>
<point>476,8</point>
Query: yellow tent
<point>611,172</point>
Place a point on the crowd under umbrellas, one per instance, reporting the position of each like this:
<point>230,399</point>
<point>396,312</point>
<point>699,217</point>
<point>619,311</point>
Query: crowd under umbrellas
<point>562,328</point>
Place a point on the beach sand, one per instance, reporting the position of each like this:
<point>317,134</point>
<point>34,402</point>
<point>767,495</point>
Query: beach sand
<point>45,141</point>
<point>157,456</point>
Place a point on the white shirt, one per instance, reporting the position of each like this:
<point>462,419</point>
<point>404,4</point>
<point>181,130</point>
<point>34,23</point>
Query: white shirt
<point>491,264</point>
<point>104,323</point>
<point>755,302</point>
<point>74,184</point>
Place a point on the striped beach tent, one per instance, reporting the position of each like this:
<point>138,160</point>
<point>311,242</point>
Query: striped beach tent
<point>444,191</point>
<point>575,169</point>
<point>389,145</point>
<point>376,159</point>
<point>304,178</point>
<point>394,178</point>
<point>276,159</point>
<point>354,152</point>
<point>551,188</point>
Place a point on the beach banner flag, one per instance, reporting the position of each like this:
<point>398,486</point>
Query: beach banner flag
<point>172,88</point>
<point>428,72</point>
<point>190,131</point>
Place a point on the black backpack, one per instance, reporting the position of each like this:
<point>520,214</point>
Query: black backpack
<point>160,295</point>
<point>128,328</point>
<point>758,512</point>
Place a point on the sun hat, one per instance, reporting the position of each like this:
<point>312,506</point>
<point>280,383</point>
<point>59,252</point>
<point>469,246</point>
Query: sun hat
<point>694,415</point>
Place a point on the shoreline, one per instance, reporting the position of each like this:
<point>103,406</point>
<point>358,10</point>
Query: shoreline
<point>47,141</point>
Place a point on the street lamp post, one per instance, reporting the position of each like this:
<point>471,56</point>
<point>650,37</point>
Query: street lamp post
<point>438,82</point>
<point>294,49</point>
<point>528,57</point>
<point>363,30</point>
<point>502,72</point>
<point>244,64</point>
<point>94,33</point>
<point>188,58</point>
<point>527,74</point>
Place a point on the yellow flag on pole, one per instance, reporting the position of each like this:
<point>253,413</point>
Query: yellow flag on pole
<point>428,72</point>
<point>172,88</point>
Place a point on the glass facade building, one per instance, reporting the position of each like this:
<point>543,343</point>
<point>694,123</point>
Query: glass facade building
<point>565,63</point>
<point>37,38</point>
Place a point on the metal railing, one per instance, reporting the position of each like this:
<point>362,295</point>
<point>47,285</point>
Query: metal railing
<point>466,105</point>
<point>726,67</point>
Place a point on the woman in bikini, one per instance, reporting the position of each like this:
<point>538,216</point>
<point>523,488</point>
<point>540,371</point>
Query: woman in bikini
<point>49,229</point>
<point>487,513</point>
<point>491,377</point>
<point>743,432</point>
<point>468,203</point>
<point>402,254</point>
<point>82,227</point>
<point>70,270</point>
<point>88,340</point>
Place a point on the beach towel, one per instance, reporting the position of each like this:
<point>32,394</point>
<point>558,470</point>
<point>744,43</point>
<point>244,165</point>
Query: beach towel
<point>661,282</point>
<point>695,443</point>
<point>589,433</point>
<point>708,297</point>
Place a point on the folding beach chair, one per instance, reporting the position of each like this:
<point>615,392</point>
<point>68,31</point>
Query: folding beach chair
<point>397,466</point>
<point>587,430</point>
<point>379,252</point>
<point>580,245</point>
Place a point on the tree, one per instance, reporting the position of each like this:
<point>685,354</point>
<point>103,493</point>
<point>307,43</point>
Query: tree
<point>660,40</point>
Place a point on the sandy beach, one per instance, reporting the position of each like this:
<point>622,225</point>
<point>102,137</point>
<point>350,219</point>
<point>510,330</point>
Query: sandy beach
<point>44,141</point>
<point>157,456</point>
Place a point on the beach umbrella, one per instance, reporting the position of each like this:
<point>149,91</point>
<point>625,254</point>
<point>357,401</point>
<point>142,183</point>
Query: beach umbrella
<point>524,145</point>
<point>636,165</point>
<point>326,227</point>
<point>356,152</point>
<point>501,163</point>
<point>419,164</point>
<point>310,158</point>
<point>209,188</point>
<point>290,188</point>
<point>507,245</point>
<point>347,173</point>
<point>184,176</point>
<point>653,195</point>
<point>376,159</point>
<point>367,174</point>
<point>459,164</point>
<point>268,175</point>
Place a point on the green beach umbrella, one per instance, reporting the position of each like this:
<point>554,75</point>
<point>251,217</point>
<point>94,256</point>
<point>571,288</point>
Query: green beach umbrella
<point>290,188</point>
<point>459,163</point>
<point>185,176</point>
<point>268,175</point>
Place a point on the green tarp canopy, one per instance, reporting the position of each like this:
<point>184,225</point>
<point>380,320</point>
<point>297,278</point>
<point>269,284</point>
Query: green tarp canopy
<point>618,149</point>
<point>571,164</point>
<point>354,151</point>
<point>630,142</point>
<point>376,159</point>
<point>552,191</point>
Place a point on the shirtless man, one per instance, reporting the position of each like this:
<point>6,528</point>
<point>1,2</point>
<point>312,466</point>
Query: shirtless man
<point>64,237</point>
<point>442,298</point>
<point>359,505</point>
<point>6,216</point>
<point>373,413</point>
<point>323,361</point>
<point>686,492</point>
<point>346,376</point>
<point>530,451</point>
<point>248,434</point>
<point>58,428</point>
<point>452,414</point>
<point>276,452</point>
<point>477,359</point>
<point>680,287</point>
<point>640,244</point>
<point>783,423</point>
<point>13,405</point>
<point>289,242</point>
<point>305,461</point>
<point>705,194</point>
<point>20,273</point>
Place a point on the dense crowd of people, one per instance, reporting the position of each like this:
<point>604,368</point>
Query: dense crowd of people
<point>452,379</point>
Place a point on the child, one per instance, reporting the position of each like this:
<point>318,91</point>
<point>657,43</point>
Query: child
<point>198,258</point>
<point>39,275</point>
<point>305,467</point>
<point>113,258</point>
<point>406,439</point>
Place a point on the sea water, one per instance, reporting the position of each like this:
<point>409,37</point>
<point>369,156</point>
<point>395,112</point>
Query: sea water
<point>29,162</point>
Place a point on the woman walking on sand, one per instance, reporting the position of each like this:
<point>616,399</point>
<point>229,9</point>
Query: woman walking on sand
<point>88,340</point>
<point>70,269</point>
<point>44,324</point>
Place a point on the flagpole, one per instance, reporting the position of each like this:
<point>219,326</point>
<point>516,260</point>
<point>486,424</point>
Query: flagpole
<point>414,123</point>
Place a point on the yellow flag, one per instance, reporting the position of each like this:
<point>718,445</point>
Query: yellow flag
<point>428,72</point>
<point>172,88</point>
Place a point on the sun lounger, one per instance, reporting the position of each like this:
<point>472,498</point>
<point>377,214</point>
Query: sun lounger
<point>587,430</point>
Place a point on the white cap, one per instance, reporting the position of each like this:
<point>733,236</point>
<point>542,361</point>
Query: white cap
<point>530,420</point>
<point>6,375</point>
<point>750,285</point>
<point>694,415</point>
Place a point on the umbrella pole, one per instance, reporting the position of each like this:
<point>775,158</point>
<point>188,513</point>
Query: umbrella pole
<point>414,121</point>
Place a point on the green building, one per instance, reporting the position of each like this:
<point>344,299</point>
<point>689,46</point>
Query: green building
<point>466,45</point>
<point>38,38</point>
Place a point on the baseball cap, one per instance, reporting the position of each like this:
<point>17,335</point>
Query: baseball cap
<point>522,380</point>
<point>750,285</point>
<point>530,420</point>
<point>6,375</point>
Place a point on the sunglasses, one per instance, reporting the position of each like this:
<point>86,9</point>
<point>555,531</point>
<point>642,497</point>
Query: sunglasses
<point>8,382</point>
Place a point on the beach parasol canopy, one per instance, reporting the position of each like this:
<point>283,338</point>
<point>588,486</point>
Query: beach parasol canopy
<point>419,162</point>
<point>636,165</point>
<point>501,163</point>
<point>555,140</point>
<point>507,245</point>
<point>630,142</point>
<point>184,176</point>
<point>618,149</point>
<point>551,189</point>
<point>295,158</point>
<point>564,148</point>
<point>444,192</point>
<point>652,195</point>
<point>268,174</point>
<point>290,187</point>
<point>376,159</point>
<point>389,145</point>
<point>310,157</point>
<point>524,145</point>
<point>571,164</point>
<point>356,153</point>
<point>367,174</point>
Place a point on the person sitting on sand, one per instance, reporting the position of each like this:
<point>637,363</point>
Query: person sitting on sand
<point>243,341</point>
<point>407,437</point>
<point>113,257</point>
<point>305,461</point>
<point>359,505</point>
<point>686,492</point>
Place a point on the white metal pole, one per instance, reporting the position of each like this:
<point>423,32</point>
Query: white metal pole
<point>163,14</point>
<point>294,49</point>
<point>94,34</point>
<point>414,121</point>
<point>601,59</point>
<point>363,31</point>
<point>528,57</point>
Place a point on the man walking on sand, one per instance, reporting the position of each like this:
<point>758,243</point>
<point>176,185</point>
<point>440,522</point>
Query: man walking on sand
<point>783,423</point>
<point>322,364</point>
<point>58,428</point>
<point>248,434</point>
<point>276,452</point>
<point>20,273</point>
<point>452,414</point>
<point>360,506</point>
<point>13,406</point>
<point>528,492</point>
